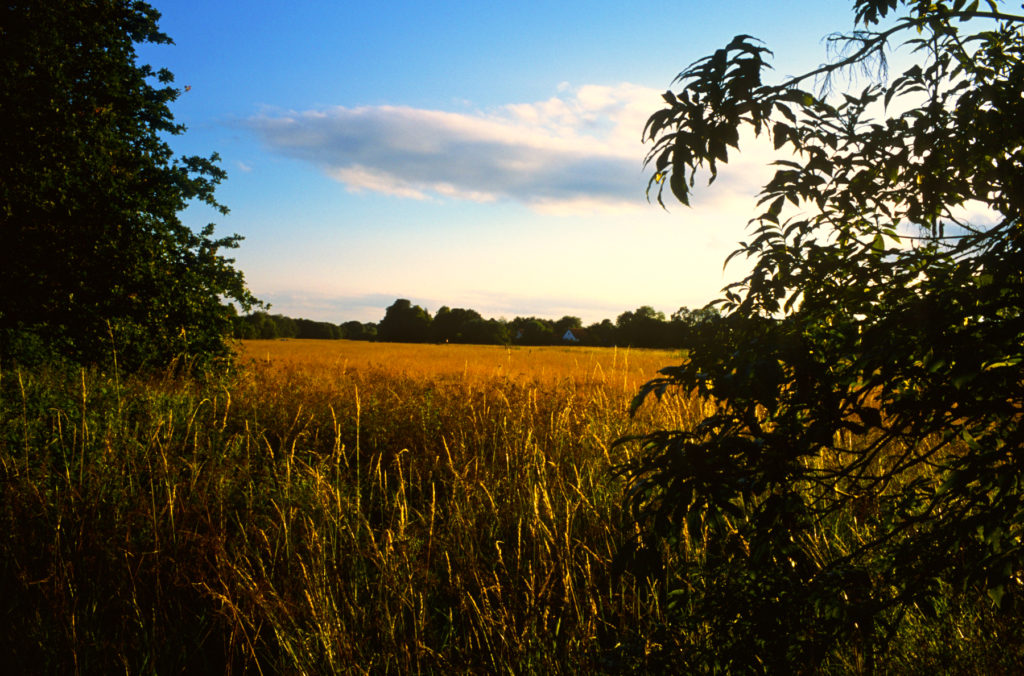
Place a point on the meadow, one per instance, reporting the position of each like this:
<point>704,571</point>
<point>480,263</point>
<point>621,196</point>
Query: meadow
<point>337,507</point>
<point>332,507</point>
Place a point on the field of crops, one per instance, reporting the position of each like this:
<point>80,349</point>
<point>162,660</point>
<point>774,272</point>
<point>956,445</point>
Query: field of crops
<point>341,507</point>
<point>334,507</point>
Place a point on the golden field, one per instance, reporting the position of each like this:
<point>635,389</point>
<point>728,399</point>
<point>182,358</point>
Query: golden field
<point>336,507</point>
<point>330,507</point>
<point>625,367</point>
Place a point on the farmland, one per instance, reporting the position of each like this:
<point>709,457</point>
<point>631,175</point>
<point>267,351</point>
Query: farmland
<point>332,507</point>
<point>338,507</point>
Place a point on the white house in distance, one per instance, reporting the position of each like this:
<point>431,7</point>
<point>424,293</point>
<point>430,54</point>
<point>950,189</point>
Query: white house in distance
<point>574,336</point>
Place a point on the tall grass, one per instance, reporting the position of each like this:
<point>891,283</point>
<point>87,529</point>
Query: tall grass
<point>352,509</point>
<point>339,507</point>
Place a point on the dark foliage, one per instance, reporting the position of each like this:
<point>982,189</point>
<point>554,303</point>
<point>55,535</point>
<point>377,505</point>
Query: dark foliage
<point>405,323</point>
<point>95,261</point>
<point>644,328</point>
<point>449,324</point>
<point>354,330</point>
<point>267,326</point>
<point>861,458</point>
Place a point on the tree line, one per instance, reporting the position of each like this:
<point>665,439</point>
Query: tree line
<point>404,322</point>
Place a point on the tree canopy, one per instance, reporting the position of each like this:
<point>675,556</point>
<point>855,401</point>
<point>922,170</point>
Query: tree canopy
<point>95,260</point>
<point>449,325</point>
<point>860,456</point>
<point>405,323</point>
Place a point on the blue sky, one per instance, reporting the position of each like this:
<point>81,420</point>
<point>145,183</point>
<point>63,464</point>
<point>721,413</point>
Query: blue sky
<point>469,154</point>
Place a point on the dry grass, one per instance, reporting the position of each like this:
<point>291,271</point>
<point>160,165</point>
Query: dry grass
<point>340,507</point>
<point>335,507</point>
<point>473,363</point>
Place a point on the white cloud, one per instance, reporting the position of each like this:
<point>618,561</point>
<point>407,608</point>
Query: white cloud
<point>360,178</point>
<point>580,149</point>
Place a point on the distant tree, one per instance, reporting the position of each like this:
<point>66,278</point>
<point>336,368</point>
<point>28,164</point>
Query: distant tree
<point>602,333</point>
<point>533,331</point>
<point>689,317</point>
<point>564,324</point>
<point>285,327</point>
<point>644,327</point>
<point>266,326</point>
<point>355,330</point>
<point>485,332</point>
<point>255,325</point>
<point>405,323</point>
<point>449,324</point>
<point>445,325</point>
<point>352,330</point>
<point>243,328</point>
<point>94,257</point>
<point>860,457</point>
<point>690,327</point>
<point>308,328</point>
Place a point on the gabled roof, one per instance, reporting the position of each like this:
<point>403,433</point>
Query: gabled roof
<point>574,335</point>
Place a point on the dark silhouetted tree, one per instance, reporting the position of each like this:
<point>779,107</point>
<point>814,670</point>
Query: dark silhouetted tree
<point>862,452</point>
<point>308,328</point>
<point>449,324</point>
<point>404,323</point>
<point>485,332</point>
<point>602,333</point>
<point>688,328</point>
<point>533,331</point>
<point>93,256</point>
<point>355,330</point>
<point>644,327</point>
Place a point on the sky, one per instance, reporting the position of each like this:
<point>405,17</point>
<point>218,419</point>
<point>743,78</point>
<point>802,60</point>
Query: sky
<point>483,155</point>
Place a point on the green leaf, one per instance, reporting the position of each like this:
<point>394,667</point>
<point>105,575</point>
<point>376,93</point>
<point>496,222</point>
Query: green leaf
<point>996,593</point>
<point>780,134</point>
<point>1004,363</point>
<point>677,182</point>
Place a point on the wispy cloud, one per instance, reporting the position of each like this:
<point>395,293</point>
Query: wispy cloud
<point>578,150</point>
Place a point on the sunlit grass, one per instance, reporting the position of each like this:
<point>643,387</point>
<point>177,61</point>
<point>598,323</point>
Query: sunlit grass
<point>339,507</point>
<point>614,366</point>
<point>334,507</point>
